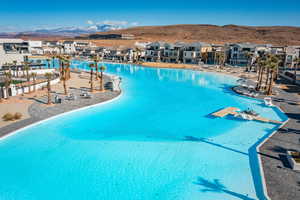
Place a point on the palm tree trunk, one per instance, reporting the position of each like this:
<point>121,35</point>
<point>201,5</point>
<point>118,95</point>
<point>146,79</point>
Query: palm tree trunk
<point>91,80</point>
<point>260,79</point>
<point>97,74</point>
<point>101,82</point>
<point>1,93</point>
<point>6,91</point>
<point>295,72</point>
<point>34,84</point>
<point>269,92</point>
<point>48,88</point>
<point>267,78</point>
<point>65,86</point>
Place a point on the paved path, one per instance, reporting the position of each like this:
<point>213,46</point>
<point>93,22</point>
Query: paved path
<point>39,111</point>
<point>282,182</point>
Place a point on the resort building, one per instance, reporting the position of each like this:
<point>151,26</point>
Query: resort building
<point>238,53</point>
<point>291,53</point>
<point>35,47</point>
<point>154,51</point>
<point>52,47</point>
<point>192,52</point>
<point>13,50</point>
<point>173,52</point>
<point>69,47</point>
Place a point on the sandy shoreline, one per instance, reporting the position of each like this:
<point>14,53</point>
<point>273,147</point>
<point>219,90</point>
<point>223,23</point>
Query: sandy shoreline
<point>33,105</point>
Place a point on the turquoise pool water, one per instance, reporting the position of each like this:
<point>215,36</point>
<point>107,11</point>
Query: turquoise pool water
<point>157,141</point>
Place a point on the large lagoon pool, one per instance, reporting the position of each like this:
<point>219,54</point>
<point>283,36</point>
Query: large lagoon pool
<point>157,141</point>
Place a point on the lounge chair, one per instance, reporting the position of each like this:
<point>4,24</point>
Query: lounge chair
<point>71,97</point>
<point>244,116</point>
<point>86,95</point>
<point>268,101</point>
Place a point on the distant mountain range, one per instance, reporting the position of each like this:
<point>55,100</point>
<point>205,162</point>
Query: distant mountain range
<point>63,31</point>
<point>276,35</point>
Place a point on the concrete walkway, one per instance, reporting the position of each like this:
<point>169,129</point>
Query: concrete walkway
<point>282,182</point>
<point>39,110</point>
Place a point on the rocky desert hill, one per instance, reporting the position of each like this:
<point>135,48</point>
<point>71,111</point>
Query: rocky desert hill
<point>276,35</point>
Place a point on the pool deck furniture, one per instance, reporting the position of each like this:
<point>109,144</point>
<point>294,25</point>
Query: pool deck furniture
<point>38,111</point>
<point>282,182</point>
<point>268,101</point>
<point>226,111</point>
<point>234,111</point>
<point>295,165</point>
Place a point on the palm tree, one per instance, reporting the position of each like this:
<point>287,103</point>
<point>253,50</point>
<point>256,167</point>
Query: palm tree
<point>261,62</point>
<point>64,76</point>
<point>7,82</point>
<point>205,57</point>
<point>92,65</point>
<point>248,56</point>
<point>27,68</point>
<point>1,93</point>
<point>221,59</point>
<point>273,62</point>
<point>33,75</point>
<point>53,61</point>
<point>16,67</point>
<point>9,66</point>
<point>297,63</point>
<point>48,77</point>
<point>102,69</point>
<point>48,63</point>
<point>96,60</point>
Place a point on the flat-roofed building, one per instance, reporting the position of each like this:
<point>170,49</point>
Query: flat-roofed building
<point>13,50</point>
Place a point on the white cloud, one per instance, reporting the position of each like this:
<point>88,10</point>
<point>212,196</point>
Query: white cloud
<point>90,22</point>
<point>134,24</point>
<point>114,22</point>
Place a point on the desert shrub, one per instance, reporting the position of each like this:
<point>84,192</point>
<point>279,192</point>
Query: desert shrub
<point>17,116</point>
<point>8,117</point>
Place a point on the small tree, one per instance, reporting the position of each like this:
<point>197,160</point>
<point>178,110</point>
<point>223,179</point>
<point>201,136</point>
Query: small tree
<point>102,69</point>
<point>91,65</point>
<point>48,77</point>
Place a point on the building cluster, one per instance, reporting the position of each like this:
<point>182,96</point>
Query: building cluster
<point>239,54</point>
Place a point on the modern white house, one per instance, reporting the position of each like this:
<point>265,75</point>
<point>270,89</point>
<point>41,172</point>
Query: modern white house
<point>291,52</point>
<point>69,47</point>
<point>173,52</point>
<point>13,50</point>
<point>52,47</point>
<point>35,47</point>
<point>154,51</point>
<point>238,53</point>
<point>192,52</point>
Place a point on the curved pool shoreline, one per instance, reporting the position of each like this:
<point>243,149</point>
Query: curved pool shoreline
<point>95,105</point>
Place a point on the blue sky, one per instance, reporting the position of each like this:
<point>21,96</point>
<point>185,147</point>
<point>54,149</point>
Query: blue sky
<point>19,15</point>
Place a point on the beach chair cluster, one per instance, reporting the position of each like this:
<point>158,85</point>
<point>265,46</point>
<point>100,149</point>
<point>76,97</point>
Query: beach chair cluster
<point>249,90</point>
<point>86,95</point>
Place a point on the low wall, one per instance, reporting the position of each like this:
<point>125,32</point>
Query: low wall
<point>17,90</point>
<point>37,71</point>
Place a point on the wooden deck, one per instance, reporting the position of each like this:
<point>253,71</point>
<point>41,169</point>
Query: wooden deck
<point>225,111</point>
<point>233,111</point>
